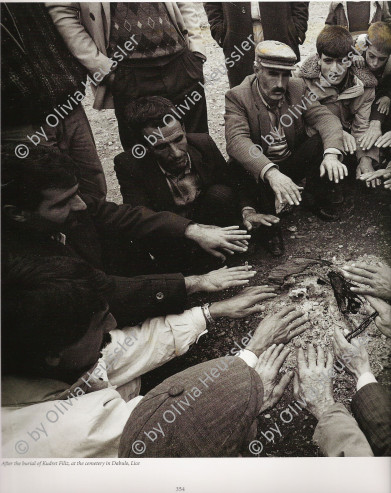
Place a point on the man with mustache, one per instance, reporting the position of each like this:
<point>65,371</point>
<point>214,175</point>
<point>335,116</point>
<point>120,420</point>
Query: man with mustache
<point>265,118</point>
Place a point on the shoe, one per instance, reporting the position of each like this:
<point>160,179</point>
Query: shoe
<point>326,212</point>
<point>275,243</point>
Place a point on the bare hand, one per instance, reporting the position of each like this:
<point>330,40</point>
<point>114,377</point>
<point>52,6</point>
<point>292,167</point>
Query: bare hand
<point>349,142</point>
<point>377,279</point>
<point>268,368</point>
<point>283,187</point>
<point>213,239</point>
<point>225,278</point>
<point>245,303</point>
<point>335,169</point>
<point>383,105</point>
<point>384,140</point>
<point>252,220</point>
<point>383,321</point>
<point>358,61</point>
<point>366,167</point>
<point>313,383</point>
<point>354,356</point>
<point>371,135</point>
<point>377,175</point>
<point>278,328</point>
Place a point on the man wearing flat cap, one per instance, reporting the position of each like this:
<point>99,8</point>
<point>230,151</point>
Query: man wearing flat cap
<point>265,123</point>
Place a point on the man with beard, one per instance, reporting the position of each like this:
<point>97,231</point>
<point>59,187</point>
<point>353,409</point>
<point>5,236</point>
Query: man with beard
<point>45,215</point>
<point>265,119</point>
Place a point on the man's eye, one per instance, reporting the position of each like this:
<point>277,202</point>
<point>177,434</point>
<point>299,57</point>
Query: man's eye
<point>160,147</point>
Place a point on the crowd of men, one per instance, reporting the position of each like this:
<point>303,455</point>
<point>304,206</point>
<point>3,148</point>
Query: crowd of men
<point>96,295</point>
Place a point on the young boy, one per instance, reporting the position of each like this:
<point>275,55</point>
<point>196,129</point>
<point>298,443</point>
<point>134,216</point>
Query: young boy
<point>377,59</point>
<point>348,91</point>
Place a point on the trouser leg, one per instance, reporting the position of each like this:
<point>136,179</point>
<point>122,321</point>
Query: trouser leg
<point>179,81</point>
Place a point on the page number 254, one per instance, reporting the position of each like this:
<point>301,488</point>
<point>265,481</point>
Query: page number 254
<point>180,488</point>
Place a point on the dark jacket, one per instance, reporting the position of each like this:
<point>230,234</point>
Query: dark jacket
<point>231,24</point>
<point>38,70</point>
<point>371,407</point>
<point>142,181</point>
<point>337,15</point>
<point>134,298</point>
<point>247,121</point>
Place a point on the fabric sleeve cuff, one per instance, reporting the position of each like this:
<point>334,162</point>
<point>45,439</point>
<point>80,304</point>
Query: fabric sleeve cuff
<point>248,357</point>
<point>365,378</point>
<point>332,150</point>
<point>266,168</point>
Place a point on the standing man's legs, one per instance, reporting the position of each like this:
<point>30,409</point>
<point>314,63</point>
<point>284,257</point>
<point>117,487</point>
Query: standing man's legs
<point>179,81</point>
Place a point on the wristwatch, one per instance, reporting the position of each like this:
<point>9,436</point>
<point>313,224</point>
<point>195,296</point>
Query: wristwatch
<point>206,312</point>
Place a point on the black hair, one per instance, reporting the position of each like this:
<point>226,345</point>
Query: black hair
<point>149,111</point>
<point>24,179</point>
<point>47,305</point>
<point>334,41</point>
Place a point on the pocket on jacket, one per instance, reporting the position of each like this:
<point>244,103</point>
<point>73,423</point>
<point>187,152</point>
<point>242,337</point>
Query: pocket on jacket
<point>192,65</point>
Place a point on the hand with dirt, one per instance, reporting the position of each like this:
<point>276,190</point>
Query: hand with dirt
<point>279,328</point>
<point>313,382</point>
<point>268,368</point>
<point>376,278</point>
<point>353,355</point>
<point>245,303</point>
<point>383,320</point>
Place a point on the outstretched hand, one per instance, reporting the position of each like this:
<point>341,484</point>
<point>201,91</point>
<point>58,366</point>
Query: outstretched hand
<point>383,320</point>
<point>268,368</point>
<point>243,304</point>
<point>214,239</point>
<point>225,278</point>
<point>312,383</point>
<point>353,355</point>
<point>279,328</point>
<point>376,278</point>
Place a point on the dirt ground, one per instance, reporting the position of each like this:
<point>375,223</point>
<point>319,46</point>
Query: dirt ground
<point>363,233</point>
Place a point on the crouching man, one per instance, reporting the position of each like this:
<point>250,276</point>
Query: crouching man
<point>71,379</point>
<point>265,122</point>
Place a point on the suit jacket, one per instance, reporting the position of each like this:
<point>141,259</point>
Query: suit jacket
<point>371,407</point>
<point>231,23</point>
<point>337,434</point>
<point>134,298</point>
<point>85,28</point>
<point>143,183</point>
<point>338,14</point>
<point>247,120</point>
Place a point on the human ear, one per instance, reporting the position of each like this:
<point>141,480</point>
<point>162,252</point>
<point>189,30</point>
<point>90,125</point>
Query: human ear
<point>16,214</point>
